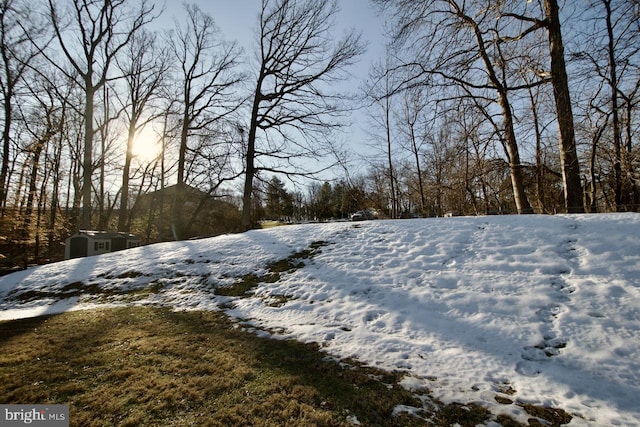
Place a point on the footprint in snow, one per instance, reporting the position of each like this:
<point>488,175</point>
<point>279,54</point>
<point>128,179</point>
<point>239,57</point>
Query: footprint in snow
<point>596,314</point>
<point>549,313</point>
<point>528,369</point>
<point>548,348</point>
<point>371,316</point>
<point>551,343</point>
<point>450,262</point>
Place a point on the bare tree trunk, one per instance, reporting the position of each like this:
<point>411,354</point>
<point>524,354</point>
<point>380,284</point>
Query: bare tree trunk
<point>515,165</point>
<point>617,137</point>
<point>539,164</point>
<point>42,203</point>
<point>633,177</point>
<point>250,161</point>
<point>165,134</point>
<point>53,210</point>
<point>32,191</point>
<point>295,56</point>
<point>567,141</point>
<point>87,159</point>
<point>177,221</point>
<point>6,146</point>
<point>104,135</point>
<point>468,179</point>
<point>387,125</point>
<point>593,205</point>
<point>416,155</point>
<point>124,196</point>
<point>75,178</point>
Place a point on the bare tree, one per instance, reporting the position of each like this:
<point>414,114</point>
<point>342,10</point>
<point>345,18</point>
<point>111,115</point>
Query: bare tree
<point>416,128</point>
<point>89,35</point>
<point>107,162</point>
<point>74,137</point>
<point>144,67</point>
<point>609,85</point>
<point>381,111</point>
<point>208,78</point>
<point>567,140</point>
<point>43,123</point>
<point>16,54</point>
<point>615,36</point>
<point>58,172</point>
<point>464,45</point>
<point>293,107</point>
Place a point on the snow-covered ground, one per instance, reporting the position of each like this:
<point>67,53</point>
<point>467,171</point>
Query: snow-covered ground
<point>536,309</point>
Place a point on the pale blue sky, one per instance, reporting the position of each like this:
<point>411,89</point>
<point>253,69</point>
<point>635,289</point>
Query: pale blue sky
<point>237,20</point>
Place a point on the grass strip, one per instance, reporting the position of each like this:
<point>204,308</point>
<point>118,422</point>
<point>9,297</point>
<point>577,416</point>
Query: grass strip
<point>245,284</point>
<point>152,366</point>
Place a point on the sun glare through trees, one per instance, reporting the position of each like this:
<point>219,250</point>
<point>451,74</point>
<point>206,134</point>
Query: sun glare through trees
<point>147,145</point>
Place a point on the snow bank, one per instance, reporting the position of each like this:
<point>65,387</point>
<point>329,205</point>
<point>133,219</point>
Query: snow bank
<point>534,309</point>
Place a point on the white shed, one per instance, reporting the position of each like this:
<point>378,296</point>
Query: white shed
<point>87,243</point>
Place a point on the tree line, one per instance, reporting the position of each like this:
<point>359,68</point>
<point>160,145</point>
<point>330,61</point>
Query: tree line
<point>506,106</point>
<point>500,106</point>
<point>84,80</point>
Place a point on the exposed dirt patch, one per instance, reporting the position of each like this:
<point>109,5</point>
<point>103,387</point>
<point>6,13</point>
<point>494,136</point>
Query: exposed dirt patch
<point>245,284</point>
<point>82,289</point>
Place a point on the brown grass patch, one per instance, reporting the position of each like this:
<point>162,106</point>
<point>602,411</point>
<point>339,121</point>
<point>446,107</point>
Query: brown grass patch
<point>151,366</point>
<point>275,269</point>
<point>144,366</point>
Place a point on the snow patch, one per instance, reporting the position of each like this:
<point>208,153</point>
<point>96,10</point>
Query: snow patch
<point>499,311</point>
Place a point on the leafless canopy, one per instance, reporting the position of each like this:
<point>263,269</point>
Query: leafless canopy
<point>295,105</point>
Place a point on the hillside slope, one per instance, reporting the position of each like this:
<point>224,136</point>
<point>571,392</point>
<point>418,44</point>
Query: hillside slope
<point>534,309</point>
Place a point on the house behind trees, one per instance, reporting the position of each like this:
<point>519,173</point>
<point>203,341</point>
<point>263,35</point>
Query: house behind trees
<point>201,214</point>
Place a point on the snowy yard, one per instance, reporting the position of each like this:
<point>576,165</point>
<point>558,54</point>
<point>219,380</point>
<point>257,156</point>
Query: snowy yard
<point>527,309</point>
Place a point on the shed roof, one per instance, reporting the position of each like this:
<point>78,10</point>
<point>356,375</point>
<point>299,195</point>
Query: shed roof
<point>105,234</point>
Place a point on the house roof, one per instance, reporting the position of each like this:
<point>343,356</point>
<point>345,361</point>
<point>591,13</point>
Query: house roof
<point>173,189</point>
